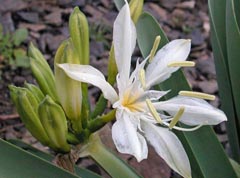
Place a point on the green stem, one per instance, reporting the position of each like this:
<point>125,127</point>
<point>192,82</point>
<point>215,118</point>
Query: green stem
<point>115,167</point>
<point>72,139</point>
<point>112,67</point>
<point>99,122</point>
<point>112,73</point>
<point>99,108</point>
<point>85,105</point>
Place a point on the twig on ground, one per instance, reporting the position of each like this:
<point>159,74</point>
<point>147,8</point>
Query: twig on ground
<point>10,116</point>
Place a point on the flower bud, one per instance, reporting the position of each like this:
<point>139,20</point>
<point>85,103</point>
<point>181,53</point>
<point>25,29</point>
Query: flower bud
<point>54,122</point>
<point>69,90</point>
<point>35,91</point>
<point>42,72</point>
<point>136,7</point>
<point>79,32</point>
<point>27,104</point>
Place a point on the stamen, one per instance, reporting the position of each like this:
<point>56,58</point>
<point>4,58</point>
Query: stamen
<point>181,64</point>
<point>154,48</point>
<point>183,129</point>
<point>176,117</point>
<point>142,78</point>
<point>197,95</point>
<point>153,111</point>
<point>187,129</point>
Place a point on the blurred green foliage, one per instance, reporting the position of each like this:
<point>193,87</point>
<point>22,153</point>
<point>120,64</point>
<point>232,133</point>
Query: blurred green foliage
<point>11,52</point>
<point>100,32</point>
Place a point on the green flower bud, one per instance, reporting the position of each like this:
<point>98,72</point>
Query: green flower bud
<point>136,7</point>
<point>69,90</point>
<point>35,91</point>
<point>27,104</point>
<point>78,28</point>
<point>42,72</point>
<point>54,122</point>
<point>79,32</point>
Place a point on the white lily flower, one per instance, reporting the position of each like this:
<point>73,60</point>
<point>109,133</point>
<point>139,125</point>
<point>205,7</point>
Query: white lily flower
<point>137,105</point>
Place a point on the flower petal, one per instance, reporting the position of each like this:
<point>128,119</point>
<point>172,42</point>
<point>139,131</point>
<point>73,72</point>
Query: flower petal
<point>158,70</point>
<point>124,41</point>
<point>126,138</point>
<point>154,94</point>
<point>88,74</point>
<point>168,146</point>
<point>197,111</point>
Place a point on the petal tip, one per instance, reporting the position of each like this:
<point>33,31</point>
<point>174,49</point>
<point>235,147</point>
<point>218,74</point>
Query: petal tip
<point>139,158</point>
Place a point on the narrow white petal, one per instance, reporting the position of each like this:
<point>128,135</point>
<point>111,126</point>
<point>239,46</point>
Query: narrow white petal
<point>124,41</point>
<point>158,71</point>
<point>197,111</point>
<point>139,66</point>
<point>154,94</point>
<point>126,138</point>
<point>88,74</point>
<point>168,146</point>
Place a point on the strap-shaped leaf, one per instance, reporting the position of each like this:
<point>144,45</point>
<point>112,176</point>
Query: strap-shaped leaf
<point>16,163</point>
<point>217,12</point>
<point>204,150</point>
<point>28,149</point>
<point>233,52</point>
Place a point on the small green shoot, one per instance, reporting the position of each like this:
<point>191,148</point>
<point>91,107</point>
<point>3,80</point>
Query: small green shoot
<point>11,52</point>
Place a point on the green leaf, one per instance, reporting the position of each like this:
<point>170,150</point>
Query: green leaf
<point>79,171</point>
<point>1,31</point>
<point>217,11</point>
<point>112,164</point>
<point>237,11</point>
<point>236,167</point>
<point>233,52</point>
<point>19,36</point>
<point>21,58</point>
<point>202,146</point>
<point>16,163</point>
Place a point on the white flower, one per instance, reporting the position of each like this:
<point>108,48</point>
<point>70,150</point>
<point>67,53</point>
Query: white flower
<point>137,105</point>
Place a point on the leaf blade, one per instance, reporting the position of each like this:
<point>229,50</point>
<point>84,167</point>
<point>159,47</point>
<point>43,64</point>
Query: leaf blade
<point>28,165</point>
<point>217,12</point>
<point>79,171</point>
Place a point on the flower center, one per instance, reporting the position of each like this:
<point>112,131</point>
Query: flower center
<point>130,101</point>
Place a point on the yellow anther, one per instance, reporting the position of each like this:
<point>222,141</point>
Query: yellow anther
<point>154,48</point>
<point>176,117</point>
<point>197,95</point>
<point>142,78</point>
<point>181,64</point>
<point>153,111</point>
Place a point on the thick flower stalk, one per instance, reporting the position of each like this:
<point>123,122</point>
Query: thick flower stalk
<point>140,116</point>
